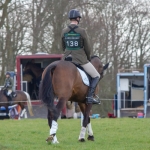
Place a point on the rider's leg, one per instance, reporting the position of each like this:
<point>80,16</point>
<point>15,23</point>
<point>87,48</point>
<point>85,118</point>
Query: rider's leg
<point>9,95</point>
<point>9,92</point>
<point>13,94</point>
<point>90,69</point>
<point>90,98</point>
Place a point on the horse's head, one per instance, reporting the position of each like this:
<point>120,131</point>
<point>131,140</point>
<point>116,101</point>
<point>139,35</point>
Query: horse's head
<point>33,69</point>
<point>28,75</point>
<point>27,66</point>
<point>95,60</point>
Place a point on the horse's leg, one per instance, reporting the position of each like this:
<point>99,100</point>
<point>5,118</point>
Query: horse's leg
<point>7,111</point>
<point>23,112</point>
<point>90,131</point>
<point>51,139</point>
<point>86,122</point>
<point>49,117</point>
<point>52,120</point>
<point>89,126</point>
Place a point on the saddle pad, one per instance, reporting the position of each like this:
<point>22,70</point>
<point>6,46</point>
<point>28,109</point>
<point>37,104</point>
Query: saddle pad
<point>84,77</point>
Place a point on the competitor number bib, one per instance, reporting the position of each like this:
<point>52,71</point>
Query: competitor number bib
<point>72,41</point>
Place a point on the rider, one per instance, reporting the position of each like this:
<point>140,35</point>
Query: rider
<point>75,42</point>
<point>8,85</point>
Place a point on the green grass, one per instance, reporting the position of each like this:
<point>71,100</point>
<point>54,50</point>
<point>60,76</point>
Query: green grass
<point>110,134</point>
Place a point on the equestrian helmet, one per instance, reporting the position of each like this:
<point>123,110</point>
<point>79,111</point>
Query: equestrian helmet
<point>73,14</point>
<point>8,73</point>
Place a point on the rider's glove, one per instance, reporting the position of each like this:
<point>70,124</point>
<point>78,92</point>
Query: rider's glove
<point>8,85</point>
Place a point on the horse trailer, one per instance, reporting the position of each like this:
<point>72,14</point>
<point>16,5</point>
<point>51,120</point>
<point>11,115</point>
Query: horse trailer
<point>28,77</point>
<point>29,71</point>
<point>133,93</point>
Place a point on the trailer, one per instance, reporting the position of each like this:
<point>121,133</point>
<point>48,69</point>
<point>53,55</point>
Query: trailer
<point>41,60</point>
<point>133,93</point>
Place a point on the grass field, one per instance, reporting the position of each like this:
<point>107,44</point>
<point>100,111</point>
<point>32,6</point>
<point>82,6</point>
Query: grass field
<point>110,134</point>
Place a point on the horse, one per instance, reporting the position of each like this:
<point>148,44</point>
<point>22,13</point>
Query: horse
<point>33,69</point>
<point>20,99</point>
<point>62,80</point>
<point>32,73</point>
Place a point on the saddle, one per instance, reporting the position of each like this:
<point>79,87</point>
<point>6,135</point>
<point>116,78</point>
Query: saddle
<point>13,94</point>
<point>69,58</point>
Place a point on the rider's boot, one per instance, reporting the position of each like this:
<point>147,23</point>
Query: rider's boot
<point>13,94</point>
<point>90,98</point>
<point>10,99</point>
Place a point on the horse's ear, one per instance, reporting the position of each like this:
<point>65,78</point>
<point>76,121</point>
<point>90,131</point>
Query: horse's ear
<point>106,66</point>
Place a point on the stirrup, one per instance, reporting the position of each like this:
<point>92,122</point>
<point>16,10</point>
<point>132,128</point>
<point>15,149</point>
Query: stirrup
<point>96,99</point>
<point>14,95</point>
<point>93,100</point>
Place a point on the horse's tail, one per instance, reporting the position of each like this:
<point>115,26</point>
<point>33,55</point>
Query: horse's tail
<point>46,93</point>
<point>29,104</point>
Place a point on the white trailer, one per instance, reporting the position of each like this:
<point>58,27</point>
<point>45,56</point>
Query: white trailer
<point>133,93</point>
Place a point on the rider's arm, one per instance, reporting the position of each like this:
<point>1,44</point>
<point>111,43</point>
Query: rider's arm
<point>63,42</point>
<point>5,83</point>
<point>11,83</point>
<point>86,45</point>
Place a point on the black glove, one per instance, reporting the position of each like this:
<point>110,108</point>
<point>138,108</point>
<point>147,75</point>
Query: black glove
<point>8,85</point>
<point>89,59</point>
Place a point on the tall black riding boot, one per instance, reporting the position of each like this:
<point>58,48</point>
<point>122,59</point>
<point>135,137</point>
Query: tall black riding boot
<point>90,98</point>
<point>13,94</point>
<point>10,99</point>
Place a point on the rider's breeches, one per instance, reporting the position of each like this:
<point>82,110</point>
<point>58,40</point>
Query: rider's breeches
<point>90,69</point>
<point>9,92</point>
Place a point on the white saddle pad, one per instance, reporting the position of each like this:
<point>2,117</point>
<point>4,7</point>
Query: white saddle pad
<point>84,77</point>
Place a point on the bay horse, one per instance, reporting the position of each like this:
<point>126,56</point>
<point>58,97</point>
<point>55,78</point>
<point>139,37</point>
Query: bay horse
<point>34,70</point>
<point>21,99</point>
<point>62,80</point>
<point>33,73</point>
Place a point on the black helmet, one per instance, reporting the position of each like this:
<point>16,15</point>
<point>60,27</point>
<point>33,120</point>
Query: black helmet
<point>73,14</point>
<point>8,73</point>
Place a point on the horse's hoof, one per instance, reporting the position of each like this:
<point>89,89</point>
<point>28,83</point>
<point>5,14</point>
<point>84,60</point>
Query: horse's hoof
<point>82,140</point>
<point>90,138</point>
<point>49,139</point>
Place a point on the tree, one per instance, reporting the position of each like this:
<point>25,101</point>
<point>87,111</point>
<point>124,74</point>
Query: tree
<point>3,10</point>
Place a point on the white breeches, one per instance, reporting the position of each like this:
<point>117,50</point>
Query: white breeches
<point>9,92</point>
